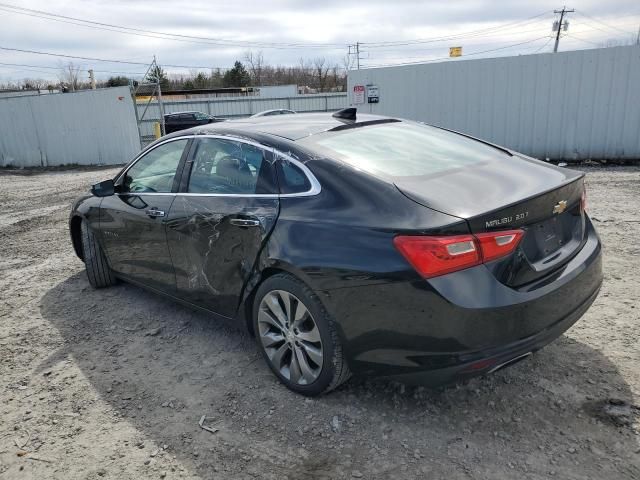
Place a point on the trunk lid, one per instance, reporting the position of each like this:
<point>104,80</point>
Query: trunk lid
<point>517,192</point>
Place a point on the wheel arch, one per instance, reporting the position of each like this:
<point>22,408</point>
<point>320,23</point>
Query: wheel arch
<point>75,229</point>
<point>259,277</point>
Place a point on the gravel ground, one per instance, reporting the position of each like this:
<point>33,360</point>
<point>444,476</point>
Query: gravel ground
<point>113,383</point>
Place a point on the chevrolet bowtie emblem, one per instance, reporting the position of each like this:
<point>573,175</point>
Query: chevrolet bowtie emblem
<point>560,207</point>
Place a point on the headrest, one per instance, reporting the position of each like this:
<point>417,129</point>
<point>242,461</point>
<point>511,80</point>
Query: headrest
<point>228,167</point>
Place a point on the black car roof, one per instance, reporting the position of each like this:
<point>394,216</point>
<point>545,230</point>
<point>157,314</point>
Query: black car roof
<point>292,127</point>
<point>180,113</point>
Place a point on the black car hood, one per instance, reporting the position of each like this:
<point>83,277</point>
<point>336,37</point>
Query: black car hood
<point>485,187</point>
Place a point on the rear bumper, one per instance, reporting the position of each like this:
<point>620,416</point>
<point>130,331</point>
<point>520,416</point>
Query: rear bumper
<point>462,324</point>
<point>490,360</point>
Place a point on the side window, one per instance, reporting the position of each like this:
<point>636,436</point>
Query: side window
<point>155,171</point>
<point>291,178</point>
<point>230,167</point>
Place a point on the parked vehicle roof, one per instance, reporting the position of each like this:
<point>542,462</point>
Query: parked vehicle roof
<point>182,113</point>
<point>277,111</point>
<point>292,127</point>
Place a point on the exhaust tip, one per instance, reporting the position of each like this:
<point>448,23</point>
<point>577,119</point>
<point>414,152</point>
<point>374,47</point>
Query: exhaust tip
<point>510,362</point>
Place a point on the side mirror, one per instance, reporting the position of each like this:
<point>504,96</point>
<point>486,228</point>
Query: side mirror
<point>103,189</point>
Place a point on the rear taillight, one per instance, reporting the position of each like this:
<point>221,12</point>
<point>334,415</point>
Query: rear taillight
<point>498,244</point>
<point>434,256</point>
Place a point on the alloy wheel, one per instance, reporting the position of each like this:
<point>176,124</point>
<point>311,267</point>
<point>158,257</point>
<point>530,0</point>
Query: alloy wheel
<point>290,337</point>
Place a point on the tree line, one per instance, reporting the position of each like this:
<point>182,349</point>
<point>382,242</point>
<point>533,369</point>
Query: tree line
<point>312,76</point>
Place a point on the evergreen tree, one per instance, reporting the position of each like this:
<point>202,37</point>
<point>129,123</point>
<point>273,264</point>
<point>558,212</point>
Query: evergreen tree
<point>237,76</point>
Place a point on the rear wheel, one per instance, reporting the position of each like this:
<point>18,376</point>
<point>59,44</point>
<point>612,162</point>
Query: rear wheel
<point>297,337</point>
<point>98,271</point>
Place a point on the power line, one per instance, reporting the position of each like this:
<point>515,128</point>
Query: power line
<point>544,46</point>
<point>161,35</point>
<point>466,55</point>
<point>593,26</point>
<point>235,43</point>
<point>572,36</point>
<point>441,47</point>
<point>94,59</point>
<point>58,68</point>
<point>125,62</point>
<point>581,12</point>
<point>29,70</point>
<point>473,33</point>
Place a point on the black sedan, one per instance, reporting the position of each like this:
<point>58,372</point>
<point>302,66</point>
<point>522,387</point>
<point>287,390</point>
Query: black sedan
<point>351,244</point>
<point>176,121</point>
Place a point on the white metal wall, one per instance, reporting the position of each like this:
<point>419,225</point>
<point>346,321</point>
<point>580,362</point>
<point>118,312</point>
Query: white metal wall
<point>569,105</point>
<point>278,91</point>
<point>87,127</point>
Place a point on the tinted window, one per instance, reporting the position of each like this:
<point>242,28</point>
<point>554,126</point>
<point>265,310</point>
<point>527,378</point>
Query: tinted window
<point>291,178</point>
<point>404,149</point>
<point>155,171</point>
<point>226,166</point>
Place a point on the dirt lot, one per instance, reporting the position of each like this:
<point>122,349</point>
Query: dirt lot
<point>111,384</point>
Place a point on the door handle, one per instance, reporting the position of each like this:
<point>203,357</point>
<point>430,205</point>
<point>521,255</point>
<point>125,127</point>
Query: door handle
<point>244,222</point>
<point>154,212</point>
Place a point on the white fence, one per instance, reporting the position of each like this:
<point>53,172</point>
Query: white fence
<point>99,126</point>
<point>88,127</point>
<point>242,106</point>
<point>570,105</point>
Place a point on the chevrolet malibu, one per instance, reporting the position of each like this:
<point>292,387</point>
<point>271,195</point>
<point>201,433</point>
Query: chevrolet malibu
<point>351,244</point>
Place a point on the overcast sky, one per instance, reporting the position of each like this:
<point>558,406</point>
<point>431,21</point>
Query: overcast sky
<point>301,22</point>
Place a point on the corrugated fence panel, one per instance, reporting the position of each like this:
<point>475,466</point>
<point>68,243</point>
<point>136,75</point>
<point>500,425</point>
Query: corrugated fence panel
<point>569,105</point>
<point>88,127</point>
<point>240,107</point>
<point>245,106</point>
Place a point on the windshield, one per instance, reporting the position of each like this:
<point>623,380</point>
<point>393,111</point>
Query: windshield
<point>402,149</point>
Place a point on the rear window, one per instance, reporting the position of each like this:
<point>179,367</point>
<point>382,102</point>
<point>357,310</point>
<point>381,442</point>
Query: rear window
<point>402,149</point>
<point>291,178</point>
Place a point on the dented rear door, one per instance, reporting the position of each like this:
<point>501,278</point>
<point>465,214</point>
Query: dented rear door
<point>220,221</point>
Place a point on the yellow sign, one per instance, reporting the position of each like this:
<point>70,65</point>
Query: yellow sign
<point>455,51</point>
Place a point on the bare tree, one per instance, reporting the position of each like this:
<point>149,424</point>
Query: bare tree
<point>69,73</point>
<point>347,62</point>
<point>321,72</point>
<point>336,79</point>
<point>256,65</point>
<point>33,84</point>
<point>302,74</point>
<point>618,42</point>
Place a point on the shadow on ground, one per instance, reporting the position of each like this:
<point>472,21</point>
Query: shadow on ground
<point>162,366</point>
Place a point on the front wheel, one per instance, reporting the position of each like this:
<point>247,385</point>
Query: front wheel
<point>297,337</point>
<point>98,271</point>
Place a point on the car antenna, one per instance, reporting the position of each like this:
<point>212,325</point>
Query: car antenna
<point>346,114</point>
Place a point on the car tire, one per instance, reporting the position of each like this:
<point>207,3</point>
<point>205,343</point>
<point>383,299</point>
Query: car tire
<point>291,349</point>
<point>99,273</point>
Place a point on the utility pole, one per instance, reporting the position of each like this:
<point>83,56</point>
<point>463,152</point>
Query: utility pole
<point>160,106</point>
<point>92,80</point>
<point>558,26</point>
<point>355,50</point>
